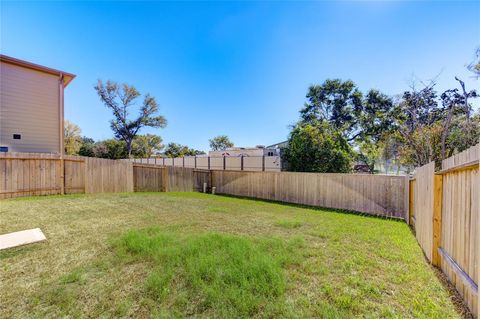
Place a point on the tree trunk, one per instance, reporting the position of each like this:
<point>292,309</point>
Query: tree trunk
<point>129,148</point>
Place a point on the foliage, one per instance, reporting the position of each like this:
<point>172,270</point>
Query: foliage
<point>72,139</point>
<point>433,128</point>
<point>318,147</point>
<point>220,143</point>
<point>341,104</point>
<point>111,148</point>
<point>144,146</point>
<point>369,153</point>
<point>120,99</point>
<point>179,150</point>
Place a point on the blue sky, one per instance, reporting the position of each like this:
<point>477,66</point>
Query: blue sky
<point>238,68</point>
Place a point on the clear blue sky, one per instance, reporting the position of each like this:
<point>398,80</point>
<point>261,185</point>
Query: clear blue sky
<point>240,69</point>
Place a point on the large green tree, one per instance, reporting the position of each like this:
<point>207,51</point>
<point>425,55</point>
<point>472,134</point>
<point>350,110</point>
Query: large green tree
<point>317,146</point>
<point>179,150</point>
<point>341,104</point>
<point>144,146</point>
<point>120,99</point>
<point>220,143</point>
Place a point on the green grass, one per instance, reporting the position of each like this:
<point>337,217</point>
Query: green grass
<point>169,255</point>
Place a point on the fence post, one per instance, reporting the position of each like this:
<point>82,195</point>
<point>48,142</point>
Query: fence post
<point>164,179</point>
<point>208,162</point>
<point>224,162</point>
<point>241,162</point>
<point>62,170</point>
<point>263,163</point>
<point>411,201</point>
<point>163,161</point>
<point>183,161</point>
<point>195,162</point>
<point>437,218</point>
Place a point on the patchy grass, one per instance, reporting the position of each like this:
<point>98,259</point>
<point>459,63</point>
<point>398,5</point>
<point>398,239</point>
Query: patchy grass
<point>289,224</point>
<point>228,276</point>
<point>195,255</point>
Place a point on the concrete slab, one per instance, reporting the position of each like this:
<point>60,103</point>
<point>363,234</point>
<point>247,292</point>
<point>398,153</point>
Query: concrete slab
<point>20,238</point>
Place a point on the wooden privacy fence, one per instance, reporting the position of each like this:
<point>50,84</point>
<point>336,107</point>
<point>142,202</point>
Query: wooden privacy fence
<point>375,194</point>
<point>152,178</point>
<point>444,210</point>
<point>231,163</point>
<point>27,174</point>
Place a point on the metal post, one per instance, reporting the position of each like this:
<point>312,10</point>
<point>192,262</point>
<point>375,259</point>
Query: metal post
<point>195,161</point>
<point>241,162</point>
<point>263,163</point>
<point>224,162</point>
<point>208,162</point>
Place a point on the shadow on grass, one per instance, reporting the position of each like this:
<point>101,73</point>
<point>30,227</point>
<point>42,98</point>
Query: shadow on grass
<point>317,208</point>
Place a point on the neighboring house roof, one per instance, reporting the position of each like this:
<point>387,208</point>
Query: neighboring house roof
<point>67,77</point>
<point>279,145</point>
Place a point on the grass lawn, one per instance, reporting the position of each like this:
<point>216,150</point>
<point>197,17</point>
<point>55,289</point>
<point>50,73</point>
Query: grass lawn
<point>166,255</point>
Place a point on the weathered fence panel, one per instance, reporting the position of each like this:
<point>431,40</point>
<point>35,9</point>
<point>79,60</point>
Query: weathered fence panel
<point>74,174</point>
<point>460,224</point>
<point>445,213</point>
<point>108,176</point>
<point>375,194</point>
<point>422,214</point>
<point>149,178</point>
<point>28,174</point>
<point>180,179</point>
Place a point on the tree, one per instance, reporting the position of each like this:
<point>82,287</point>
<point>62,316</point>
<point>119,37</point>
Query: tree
<point>178,150</point>
<point>86,149</point>
<point>145,146</point>
<point>220,143</point>
<point>433,129</point>
<point>335,101</point>
<point>416,114</point>
<point>111,148</point>
<point>72,139</point>
<point>119,99</point>
<point>318,147</point>
<point>342,105</point>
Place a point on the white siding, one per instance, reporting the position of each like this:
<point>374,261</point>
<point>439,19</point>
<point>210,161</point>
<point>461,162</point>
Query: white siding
<point>29,105</point>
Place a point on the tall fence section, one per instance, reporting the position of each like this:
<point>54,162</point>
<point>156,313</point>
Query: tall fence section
<point>444,210</point>
<point>442,206</point>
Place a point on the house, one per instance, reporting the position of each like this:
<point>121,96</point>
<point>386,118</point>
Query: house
<point>31,106</point>
<point>257,151</point>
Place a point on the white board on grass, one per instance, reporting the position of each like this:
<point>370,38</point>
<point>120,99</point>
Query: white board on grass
<point>20,238</point>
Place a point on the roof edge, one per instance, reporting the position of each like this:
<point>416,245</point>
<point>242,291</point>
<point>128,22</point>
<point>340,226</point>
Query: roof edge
<point>67,77</point>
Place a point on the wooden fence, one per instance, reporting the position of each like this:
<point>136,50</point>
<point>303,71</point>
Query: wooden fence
<point>27,174</point>
<point>445,209</point>
<point>375,194</point>
<point>231,163</point>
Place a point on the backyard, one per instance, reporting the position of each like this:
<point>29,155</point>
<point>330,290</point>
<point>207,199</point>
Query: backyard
<point>197,255</point>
